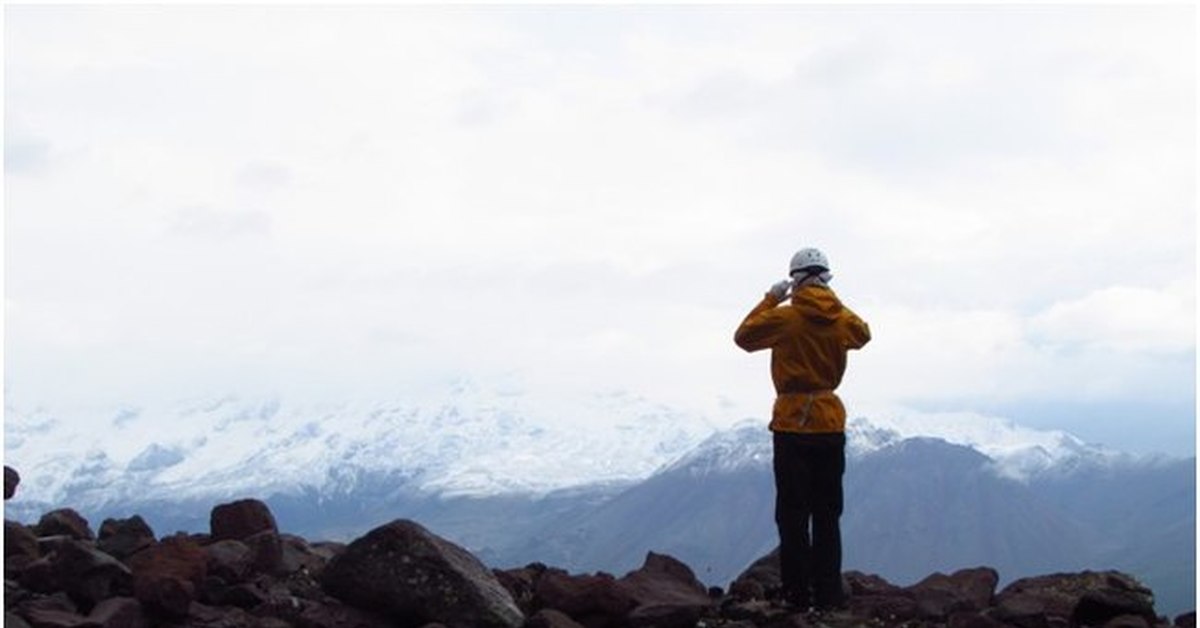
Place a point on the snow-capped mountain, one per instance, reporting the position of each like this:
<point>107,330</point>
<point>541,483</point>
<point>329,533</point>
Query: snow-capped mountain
<point>471,442</point>
<point>595,483</point>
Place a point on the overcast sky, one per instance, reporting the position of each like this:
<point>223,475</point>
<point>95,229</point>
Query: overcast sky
<point>357,202</point>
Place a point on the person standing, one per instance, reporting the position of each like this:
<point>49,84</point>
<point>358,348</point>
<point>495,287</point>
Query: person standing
<point>809,337</point>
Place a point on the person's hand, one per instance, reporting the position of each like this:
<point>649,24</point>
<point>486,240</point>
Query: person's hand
<point>780,290</point>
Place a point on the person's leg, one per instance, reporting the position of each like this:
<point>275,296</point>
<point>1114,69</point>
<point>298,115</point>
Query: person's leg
<point>792,514</point>
<point>828,459</point>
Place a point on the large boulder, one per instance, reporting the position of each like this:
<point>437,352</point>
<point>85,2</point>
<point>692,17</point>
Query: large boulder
<point>119,612</point>
<point>1057,595</point>
<point>965,591</point>
<point>11,480</point>
<point>168,575</point>
<point>240,520</point>
<point>76,568</point>
<point>667,594</point>
<point>123,538</point>
<point>594,600</point>
<point>20,547</point>
<point>402,570</point>
<point>66,522</point>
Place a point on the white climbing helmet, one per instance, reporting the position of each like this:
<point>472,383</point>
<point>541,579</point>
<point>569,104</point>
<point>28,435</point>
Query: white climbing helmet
<point>806,259</point>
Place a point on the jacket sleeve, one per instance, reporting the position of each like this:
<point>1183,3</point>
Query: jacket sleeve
<point>858,333</point>
<point>762,327</point>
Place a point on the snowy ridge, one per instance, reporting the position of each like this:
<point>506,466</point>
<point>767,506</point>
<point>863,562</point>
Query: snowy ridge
<point>1017,452</point>
<point>465,441</point>
<point>473,442</point>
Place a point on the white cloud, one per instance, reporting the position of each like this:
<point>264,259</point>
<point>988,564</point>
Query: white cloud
<point>595,195</point>
<point>1124,319</point>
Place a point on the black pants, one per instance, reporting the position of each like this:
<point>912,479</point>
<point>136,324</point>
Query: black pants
<point>808,491</point>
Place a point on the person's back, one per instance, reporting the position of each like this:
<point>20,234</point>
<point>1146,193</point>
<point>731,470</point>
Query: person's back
<point>809,338</point>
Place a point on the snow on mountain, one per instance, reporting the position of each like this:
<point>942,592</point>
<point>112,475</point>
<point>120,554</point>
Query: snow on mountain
<point>1017,452</point>
<point>473,442</point>
<point>466,440</point>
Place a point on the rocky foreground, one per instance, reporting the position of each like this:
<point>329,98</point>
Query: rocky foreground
<point>245,573</point>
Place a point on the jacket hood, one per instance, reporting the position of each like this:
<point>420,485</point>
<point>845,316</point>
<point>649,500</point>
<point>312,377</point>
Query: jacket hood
<point>817,303</point>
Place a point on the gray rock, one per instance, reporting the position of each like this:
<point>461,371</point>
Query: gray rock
<point>402,570</point>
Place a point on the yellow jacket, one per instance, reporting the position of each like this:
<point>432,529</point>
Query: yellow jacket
<point>808,339</point>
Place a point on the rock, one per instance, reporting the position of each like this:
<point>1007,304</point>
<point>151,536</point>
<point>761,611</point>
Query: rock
<point>1127,621</point>
<point>972,620</point>
<point>11,480</point>
<point>119,612</point>
<point>592,600</point>
<point>84,573</point>
<point>667,594</point>
<point>266,548</point>
<point>64,521</point>
<point>241,519</point>
<point>1186,620</point>
<point>404,571</point>
<point>763,572</point>
<point>1058,594</point>
<point>89,575</point>
<point>1021,609</point>
<point>976,587</point>
<point>123,538</point>
<point>59,601</point>
<point>168,575</point>
<point>757,612</point>
<point>298,555</point>
<point>20,547</point>
<point>229,560</point>
<point>1099,606</point>
<point>860,583</point>
<point>895,608</point>
<point>521,584</point>
<point>46,618</point>
<point>550,618</point>
<point>12,620</point>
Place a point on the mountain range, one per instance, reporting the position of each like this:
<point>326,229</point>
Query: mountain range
<point>501,476</point>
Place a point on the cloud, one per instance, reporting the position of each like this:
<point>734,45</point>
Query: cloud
<point>23,155</point>
<point>1124,319</point>
<point>219,224</point>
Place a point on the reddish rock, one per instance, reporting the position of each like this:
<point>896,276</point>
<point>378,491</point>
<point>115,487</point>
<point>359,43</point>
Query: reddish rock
<point>667,594</point>
<point>229,560</point>
<point>241,519</point>
<point>890,609</point>
<point>521,584</point>
<point>1059,593</point>
<point>593,600</point>
<point>404,571</point>
<point>123,538</point>
<point>45,618</point>
<point>860,583</point>
<point>89,575</point>
<point>11,480</point>
<point>20,547</point>
<point>550,618</point>
<point>298,555</point>
<point>266,548</point>
<point>119,612</point>
<point>972,620</point>
<point>1020,609</point>
<point>167,576</point>
<point>975,588</point>
<point>67,522</point>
